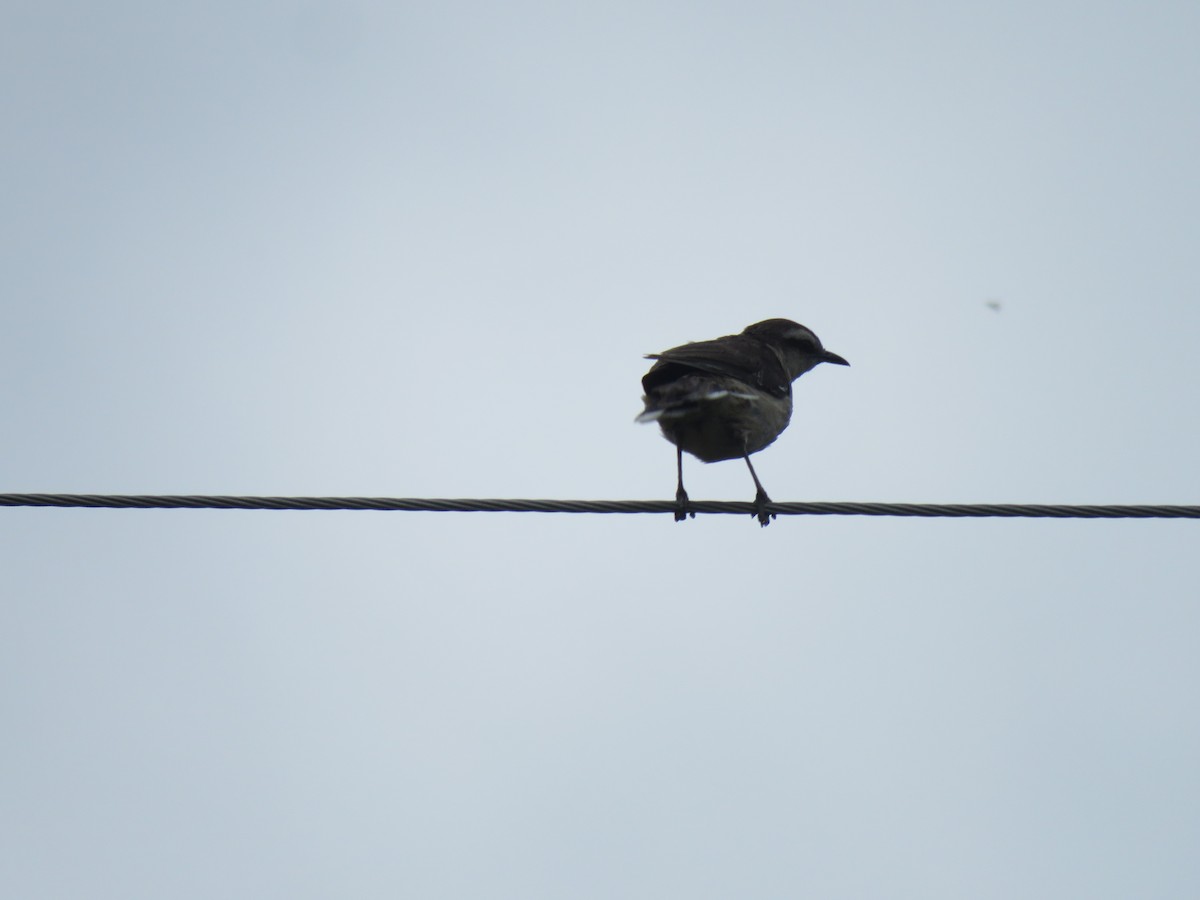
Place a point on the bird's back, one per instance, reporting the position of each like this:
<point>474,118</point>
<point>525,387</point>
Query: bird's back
<point>739,357</point>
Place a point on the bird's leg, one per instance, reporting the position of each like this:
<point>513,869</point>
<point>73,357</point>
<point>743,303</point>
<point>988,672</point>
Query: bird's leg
<point>760,499</point>
<point>682,510</point>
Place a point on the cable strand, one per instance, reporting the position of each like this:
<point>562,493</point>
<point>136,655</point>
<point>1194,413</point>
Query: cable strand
<point>721,507</point>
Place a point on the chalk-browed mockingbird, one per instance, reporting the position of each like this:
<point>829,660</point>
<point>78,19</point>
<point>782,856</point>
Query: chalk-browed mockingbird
<point>730,397</point>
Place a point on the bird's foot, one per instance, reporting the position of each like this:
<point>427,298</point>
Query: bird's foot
<point>683,507</point>
<point>761,500</point>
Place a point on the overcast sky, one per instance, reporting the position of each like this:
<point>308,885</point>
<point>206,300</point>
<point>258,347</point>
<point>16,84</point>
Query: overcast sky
<point>392,249</point>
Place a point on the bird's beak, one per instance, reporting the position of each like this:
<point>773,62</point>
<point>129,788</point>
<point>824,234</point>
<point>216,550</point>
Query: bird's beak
<point>828,357</point>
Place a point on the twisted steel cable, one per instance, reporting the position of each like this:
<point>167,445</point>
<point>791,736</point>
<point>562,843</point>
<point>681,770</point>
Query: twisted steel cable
<point>922,510</point>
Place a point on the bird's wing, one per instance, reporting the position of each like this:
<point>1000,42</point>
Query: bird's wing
<point>738,356</point>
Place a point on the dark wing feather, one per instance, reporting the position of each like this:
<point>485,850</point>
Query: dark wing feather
<point>739,356</point>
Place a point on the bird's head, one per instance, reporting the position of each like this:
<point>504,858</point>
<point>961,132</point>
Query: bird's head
<point>798,348</point>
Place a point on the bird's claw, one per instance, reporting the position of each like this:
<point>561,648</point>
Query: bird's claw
<point>761,512</point>
<point>683,506</point>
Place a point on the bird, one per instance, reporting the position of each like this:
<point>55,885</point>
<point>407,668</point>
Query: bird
<point>730,397</point>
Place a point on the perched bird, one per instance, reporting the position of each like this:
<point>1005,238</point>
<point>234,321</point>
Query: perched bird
<point>730,397</point>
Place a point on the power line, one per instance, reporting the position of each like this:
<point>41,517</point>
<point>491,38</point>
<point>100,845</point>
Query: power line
<point>922,510</point>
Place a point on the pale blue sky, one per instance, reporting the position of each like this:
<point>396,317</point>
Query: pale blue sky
<point>419,250</point>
